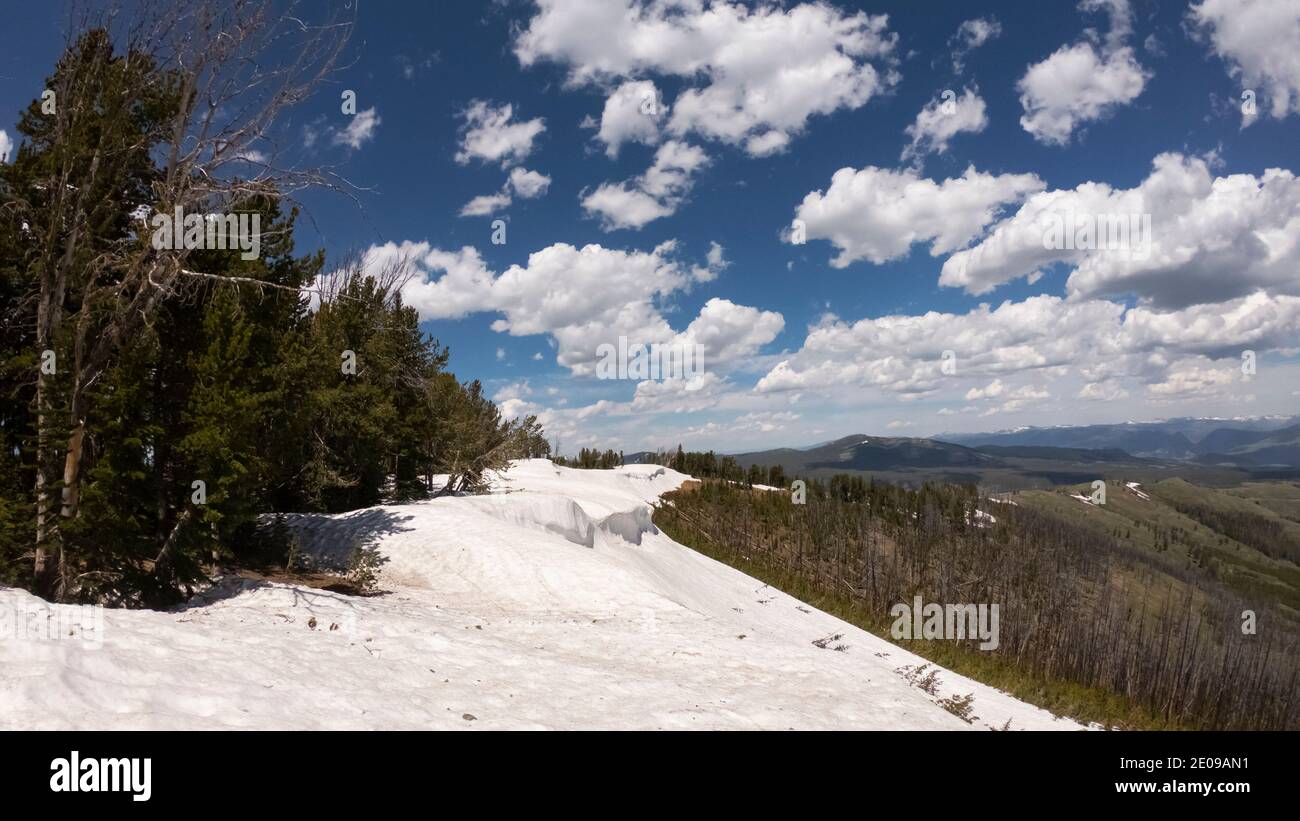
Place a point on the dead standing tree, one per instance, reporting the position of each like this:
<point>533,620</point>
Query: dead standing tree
<point>205,86</point>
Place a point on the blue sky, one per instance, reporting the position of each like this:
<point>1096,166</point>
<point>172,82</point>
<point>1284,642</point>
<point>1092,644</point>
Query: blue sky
<point>1057,108</point>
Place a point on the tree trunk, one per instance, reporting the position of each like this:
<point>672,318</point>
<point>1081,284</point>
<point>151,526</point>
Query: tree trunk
<point>42,494</point>
<point>49,315</point>
<point>72,471</point>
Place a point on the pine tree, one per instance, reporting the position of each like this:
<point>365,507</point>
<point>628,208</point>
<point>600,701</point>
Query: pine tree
<point>193,393</point>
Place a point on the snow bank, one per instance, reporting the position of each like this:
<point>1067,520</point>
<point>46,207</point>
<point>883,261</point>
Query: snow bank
<point>552,603</point>
<point>541,511</point>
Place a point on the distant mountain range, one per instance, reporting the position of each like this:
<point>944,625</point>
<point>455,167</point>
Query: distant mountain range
<point>1210,451</point>
<point>1280,447</point>
<point>911,462</point>
<point>863,452</point>
<point>1264,442</point>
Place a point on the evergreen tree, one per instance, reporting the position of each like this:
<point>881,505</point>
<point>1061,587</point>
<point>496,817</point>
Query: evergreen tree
<point>190,393</point>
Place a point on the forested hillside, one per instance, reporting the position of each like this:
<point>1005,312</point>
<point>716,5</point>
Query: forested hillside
<point>1224,535</point>
<point>1092,624</point>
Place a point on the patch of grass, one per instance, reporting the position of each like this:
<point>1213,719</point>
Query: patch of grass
<point>1156,526</point>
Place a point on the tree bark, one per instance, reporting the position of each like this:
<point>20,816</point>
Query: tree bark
<point>72,471</point>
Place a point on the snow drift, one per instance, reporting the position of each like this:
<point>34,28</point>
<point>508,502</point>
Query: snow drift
<point>554,602</point>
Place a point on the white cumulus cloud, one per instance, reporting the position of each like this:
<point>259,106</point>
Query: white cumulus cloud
<point>972,34</point>
<point>1082,82</point>
<point>877,214</point>
<point>581,297</point>
<point>1209,238</point>
<point>528,184</point>
<point>654,194</point>
<point>943,118</point>
<point>359,130</point>
<point>486,205</point>
<point>1260,40</point>
<point>633,113</point>
<point>999,354</point>
<point>490,134</point>
<point>755,74</point>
